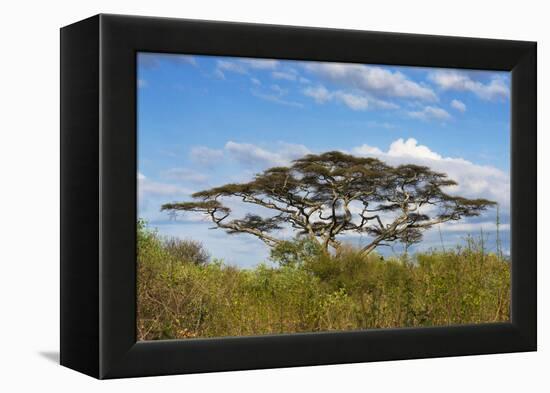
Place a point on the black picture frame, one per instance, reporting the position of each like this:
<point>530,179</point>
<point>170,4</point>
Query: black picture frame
<point>98,195</point>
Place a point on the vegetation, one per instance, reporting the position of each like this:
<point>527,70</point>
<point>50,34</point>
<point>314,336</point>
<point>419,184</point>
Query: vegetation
<point>318,194</point>
<point>184,294</point>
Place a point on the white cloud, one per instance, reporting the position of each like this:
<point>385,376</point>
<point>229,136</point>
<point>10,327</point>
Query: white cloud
<point>430,113</point>
<point>411,148</point>
<point>400,148</point>
<point>256,156</point>
<point>354,101</point>
<point>279,90</point>
<point>205,156</point>
<point>496,88</point>
<point>261,64</point>
<point>458,105</point>
<point>283,75</point>
<point>366,150</point>
<point>185,174</point>
<point>187,59</point>
<point>320,94</point>
<point>276,96</point>
<point>152,194</point>
<point>372,80</point>
<point>486,226</point>
<point>382,104</point>
<point>230,66</point>
<point>243,66</point>
<point>474,181</point>
<point>150,188</point>
<point>292,151</point>
<point>141,83</point>
<point>250,154</point>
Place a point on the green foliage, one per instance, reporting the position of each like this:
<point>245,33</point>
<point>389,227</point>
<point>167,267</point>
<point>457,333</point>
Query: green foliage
<point>312,291</point>
<point>186,251</point>
<point>296,252</point>
<point>315,193</point>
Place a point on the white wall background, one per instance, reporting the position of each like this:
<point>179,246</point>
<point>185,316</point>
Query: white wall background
<point>29,194</point>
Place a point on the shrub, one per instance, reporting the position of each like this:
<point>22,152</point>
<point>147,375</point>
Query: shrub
<point>309,291</point>
<point>295,252</point>
<point>186,251</point>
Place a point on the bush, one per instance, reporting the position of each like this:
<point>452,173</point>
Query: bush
<point>186,251</point>
<point>181,298</point>
<point>295,252</point>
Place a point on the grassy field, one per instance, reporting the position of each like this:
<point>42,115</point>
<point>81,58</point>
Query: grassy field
<point>184,294</point>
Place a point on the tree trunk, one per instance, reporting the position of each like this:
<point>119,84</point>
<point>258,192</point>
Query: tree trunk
<point>370,247</point>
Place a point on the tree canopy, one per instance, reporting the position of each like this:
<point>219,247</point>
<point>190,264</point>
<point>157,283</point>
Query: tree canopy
<point>325,196</point>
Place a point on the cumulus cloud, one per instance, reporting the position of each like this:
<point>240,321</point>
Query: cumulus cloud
<point>250,154</point>
<point>261,64</point>
<point>487,226</point>
<point>255,156</point>
<point>292,151</point>
<point>411,148</point>
<point>279,90</point>
<point>354,101</point>
<point>275,94</point>
<point>320,94</point>
<point>276,99</point>
<point>243,66</point>
<point>430,113</point>
<point>494,89</point>
<point>185,174</point>
<point>205,156</point>
<point>229,66</point>
<point>474,181</point>
<point>284,75</point>
<point>152,194</point>
<point>372,80</point>
<point>458,105</point>
<point>366,150</point>
<point>151,188</point>
<point>187,59</point>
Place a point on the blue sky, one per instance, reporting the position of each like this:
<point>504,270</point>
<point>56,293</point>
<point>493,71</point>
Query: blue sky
<point>204,121</point>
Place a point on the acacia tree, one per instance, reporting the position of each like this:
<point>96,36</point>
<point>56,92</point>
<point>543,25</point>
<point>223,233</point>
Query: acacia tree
<point>327,195</point>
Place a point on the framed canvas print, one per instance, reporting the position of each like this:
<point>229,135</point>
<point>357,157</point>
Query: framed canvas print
<point>239,196</point>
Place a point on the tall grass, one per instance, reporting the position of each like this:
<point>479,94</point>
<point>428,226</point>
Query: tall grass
<point>180,298</point>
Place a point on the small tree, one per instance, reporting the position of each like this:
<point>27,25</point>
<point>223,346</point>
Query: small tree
<point>327,195</point>
<point>295,252</point>
<point>186,251</point>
